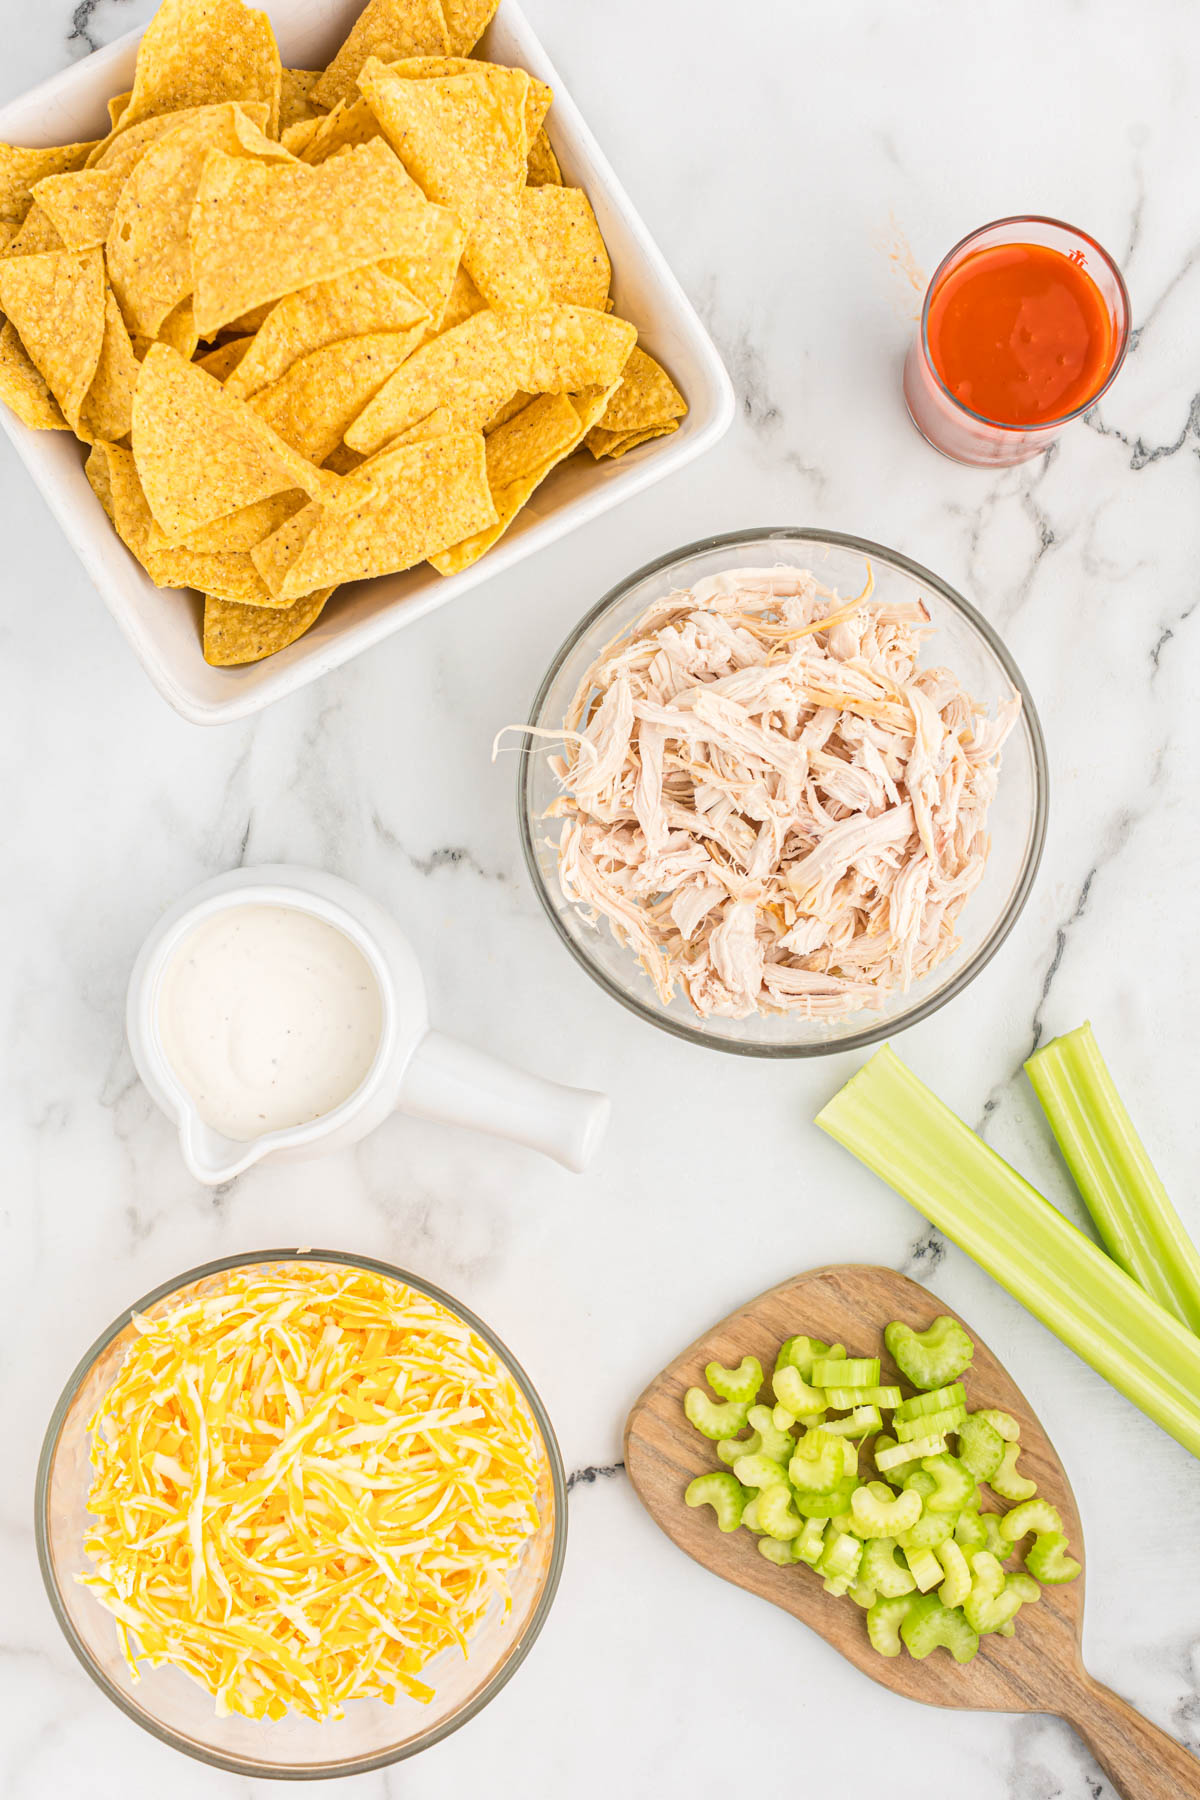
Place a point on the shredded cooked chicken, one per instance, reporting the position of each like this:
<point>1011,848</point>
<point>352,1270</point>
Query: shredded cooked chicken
<point>768,800</point>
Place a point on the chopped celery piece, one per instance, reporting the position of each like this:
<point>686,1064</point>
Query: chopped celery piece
<point>841,1556</point>
<point>881,1513</point>
<point>860,1423</point>
<point>782,1419</point>
<point>792,1391</point>
<point>932,1357</point>
<point>740,1384</point>
<point>1024,1587</point>
<point>909,1430</point>
<point>866,1396</point>
<point>999,1421</point>
<point>729,1449</point>
<point>1031,1515</point>
<point>928,1624</point>
<point>955,1483</point>
<point>884,1621</point>
<point>723,1492</point>
<point>926,1569</point>
<point>938,1401</point>
<point>810,1542</point>
<point>1008,1481</point>
<point>845,1371</point>
<point>957,1584</point>
<point>891,1121</point>
<point>760,1472</point>
<point>880,1568</point>
<point>1047,1558</point>
<point>916,1479</point>
<point>863,1596</point>
<point>800,1353</point>
<point>930,1529</point>
<point>774,1442</point>
<point>970,1531</point>
<point>776,1514</point>
<point>1137,1223</point>
<point>980,1446</point>
<point>777,1551</point>
<point>826,1506</point>
<point>821,1459</point>
<point>750,1515</point>
<point>996,1545</point>
<point>714,1418</point>
<point>896,1454</point>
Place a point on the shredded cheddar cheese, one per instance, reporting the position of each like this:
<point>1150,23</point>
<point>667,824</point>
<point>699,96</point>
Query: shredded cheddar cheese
<point>308,1484</point>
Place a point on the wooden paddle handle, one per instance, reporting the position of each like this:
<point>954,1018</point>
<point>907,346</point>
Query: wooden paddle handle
<point>1142,1762</point>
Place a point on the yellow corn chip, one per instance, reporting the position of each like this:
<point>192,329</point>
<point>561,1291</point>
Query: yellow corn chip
<point>466,22</point>
<point>35,234</point>
<point>616,443</point>
<point>388,29</point>
<point>311,406</point>
<point>428,68</point>
<point>96,470</point>
<point>21,170</point>
<point>23,388</point>
<point>56,303</point>
<point>361,302</point>
<point>178,329</point>
<point>149,252</point>
<point>519,401</point>
<point>350,122</point>
<point>470,369</point>
<point>560,228</point>
<point>462,138</point>
<point>647,396</point>
<point>122,149</point>
<point>248,526</point>
<point>261,232</point>
<point>541,169</point>
<point>296,138</point>
<point>200,453</point>
<point>236,634</point>
<point>295,97</point>
<point>465,299</point>
<point>199,52</point>
<point>560,349</point>
<point>80,205</point>
<point>390,514</point>
<point>431,274</point>
<point>116,108</point>
<point>222,361</point>
<point>344,461</point>
<point>520,454</point>
<point>113,474</point>
<point>108,409</point>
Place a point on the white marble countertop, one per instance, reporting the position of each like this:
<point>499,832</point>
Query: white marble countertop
<point>796,164</point>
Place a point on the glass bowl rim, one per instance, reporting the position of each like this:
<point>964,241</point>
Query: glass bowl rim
<point>378,1759</point>
<point>963,244</point>
<point>873,1034</point>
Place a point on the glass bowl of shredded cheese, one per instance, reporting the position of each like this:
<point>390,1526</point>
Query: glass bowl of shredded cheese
<point>783,792</point>
<point>300,1514</point>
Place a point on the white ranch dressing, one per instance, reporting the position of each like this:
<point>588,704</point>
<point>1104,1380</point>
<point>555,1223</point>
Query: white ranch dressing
<point>269,1017</point>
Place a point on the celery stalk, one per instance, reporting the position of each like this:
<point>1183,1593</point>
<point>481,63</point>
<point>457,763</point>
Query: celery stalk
<point>889,1119</point>
<point>1116,1179</point>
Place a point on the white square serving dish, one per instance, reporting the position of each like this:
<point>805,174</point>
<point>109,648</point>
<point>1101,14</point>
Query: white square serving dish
<point>163,624</point>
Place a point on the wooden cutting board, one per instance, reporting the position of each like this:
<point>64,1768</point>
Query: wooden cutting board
<point>1039,1670</point>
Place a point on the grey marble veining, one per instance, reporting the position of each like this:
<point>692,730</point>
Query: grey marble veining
<point>800,167</point>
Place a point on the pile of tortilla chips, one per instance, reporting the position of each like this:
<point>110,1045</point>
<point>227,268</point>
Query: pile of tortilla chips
<point>315,326</point>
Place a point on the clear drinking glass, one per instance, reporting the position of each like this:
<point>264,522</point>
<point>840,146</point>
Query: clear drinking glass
<point>942,419</point>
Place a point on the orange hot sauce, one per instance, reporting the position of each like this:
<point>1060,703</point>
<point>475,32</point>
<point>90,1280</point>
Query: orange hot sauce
<point>1021,334</point>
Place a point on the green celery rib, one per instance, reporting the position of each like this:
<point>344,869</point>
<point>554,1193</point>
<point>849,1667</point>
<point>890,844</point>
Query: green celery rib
<point>1129,1204</point>
<point>892,1122</point>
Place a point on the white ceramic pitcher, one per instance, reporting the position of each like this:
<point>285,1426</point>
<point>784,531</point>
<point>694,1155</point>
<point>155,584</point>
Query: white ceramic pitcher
<point>416,1070</point>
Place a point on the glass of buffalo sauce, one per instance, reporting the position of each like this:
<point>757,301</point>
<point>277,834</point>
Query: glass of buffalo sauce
<point>1025,325</point>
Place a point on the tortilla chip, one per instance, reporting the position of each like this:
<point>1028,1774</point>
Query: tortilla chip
<point>56,303</point>
<point>116,108</point>
<point>560,349</point>
<point>236,634</point>
<point>428,68</point>
<point>388,29</point>
<point>248,526</point>
<point>541,169</point>
<point>296,138</point>
<point>126,501</point>
<point>201,453</point>
<point>519,401</point>
<point>108,409</point>
<point>201,52</point>
<point>343,460</point>
<point>21,170</point>
<point>393,512</point>
<point>148,249</point>
<point>80,205</point>
<point>96,470</point>
<point>178,329</point>
<point>616,443</point>
<point>351,122</point>
<point>646,396</point>
<point>22,387</point>
<point>470,369</point>
<point>432,274</point>
<point>261,232</point>
<point>311,406</point>
<point>295,97</point>
<point>361,302</point>
<point>560,228</point>
<point>462,138</point>
<point>520,454</point>
<point>222,361</point>
<point>464,300</point>
<point>122,149</point>
<point>466,22</point>
<point>35,234</point>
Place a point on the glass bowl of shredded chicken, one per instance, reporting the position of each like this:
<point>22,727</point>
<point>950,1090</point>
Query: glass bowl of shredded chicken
<point>783,792</point>
<point>300,1514</point>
